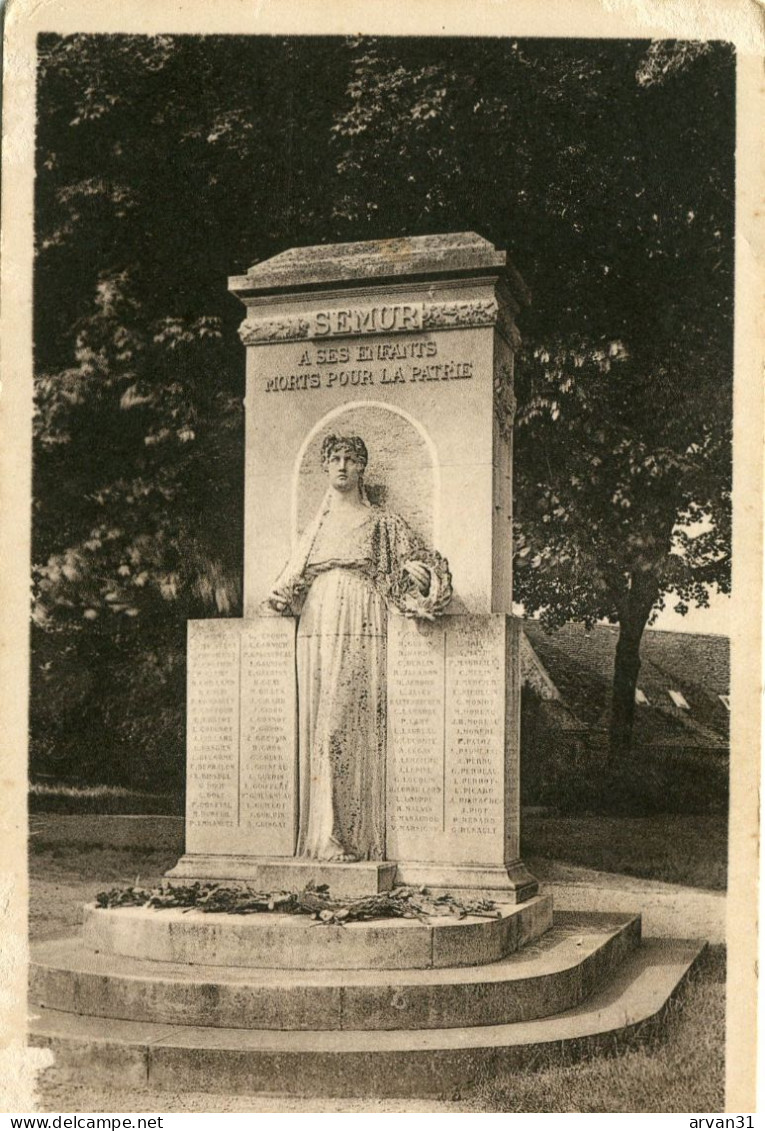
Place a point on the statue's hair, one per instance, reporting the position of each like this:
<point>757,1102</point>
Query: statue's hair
<point>354,444</point>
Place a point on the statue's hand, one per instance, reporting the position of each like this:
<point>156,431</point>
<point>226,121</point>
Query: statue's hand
<point>274,603</point>
<point>421,575</point>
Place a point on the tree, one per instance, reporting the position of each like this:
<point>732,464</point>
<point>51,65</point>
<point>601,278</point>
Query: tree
<point>166,163</point>
<point>624,495</point>
<point>607,170</point>
<point>624,441</point>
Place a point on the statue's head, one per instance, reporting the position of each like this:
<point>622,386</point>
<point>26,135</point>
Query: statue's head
<point>344,459</point>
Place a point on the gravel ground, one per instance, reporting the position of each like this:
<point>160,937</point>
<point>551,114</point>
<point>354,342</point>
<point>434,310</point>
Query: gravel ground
<point>62,879</point>
<point>56,1095</point>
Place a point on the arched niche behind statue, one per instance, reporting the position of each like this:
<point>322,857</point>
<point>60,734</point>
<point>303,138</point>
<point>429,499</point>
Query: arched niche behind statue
<point>400,476</point>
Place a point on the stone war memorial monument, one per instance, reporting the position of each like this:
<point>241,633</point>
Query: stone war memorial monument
<point>357,731</point>
<point>407,346</point>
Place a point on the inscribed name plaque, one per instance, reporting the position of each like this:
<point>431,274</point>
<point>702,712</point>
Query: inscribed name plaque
<point>241,791</point>
<point>453,731</point>
<point>416,687</point>
<point>474,727</point>
<point>212,727</point>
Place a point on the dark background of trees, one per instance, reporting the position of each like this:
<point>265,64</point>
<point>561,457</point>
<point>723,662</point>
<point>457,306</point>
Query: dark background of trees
<point>165,164</point>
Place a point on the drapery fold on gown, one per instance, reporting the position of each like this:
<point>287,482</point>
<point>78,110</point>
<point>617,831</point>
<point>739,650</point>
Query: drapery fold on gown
<point>340,582</point>
<point>341,687</point>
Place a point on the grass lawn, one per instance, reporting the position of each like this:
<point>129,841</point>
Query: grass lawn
<point>46,797</point>
<point>692,851</point>
<point>678,1068</point>
<point>687,850</point>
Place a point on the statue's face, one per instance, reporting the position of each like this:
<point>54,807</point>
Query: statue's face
<point>344,470</point>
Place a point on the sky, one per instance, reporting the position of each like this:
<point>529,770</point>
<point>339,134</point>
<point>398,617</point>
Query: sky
<point>715,619</point>
<point>712,621</point>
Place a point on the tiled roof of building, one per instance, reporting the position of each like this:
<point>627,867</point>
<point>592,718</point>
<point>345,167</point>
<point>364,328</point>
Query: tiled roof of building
<point>580,664</point>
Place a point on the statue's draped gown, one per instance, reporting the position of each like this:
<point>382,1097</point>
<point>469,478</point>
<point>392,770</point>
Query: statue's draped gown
<point>344,583</point>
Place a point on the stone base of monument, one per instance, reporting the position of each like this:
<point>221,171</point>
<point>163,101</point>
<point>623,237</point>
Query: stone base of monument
<point>507,883</point>
<point>511,883</point>
<point>279,873</point>
<point>283,1004</point>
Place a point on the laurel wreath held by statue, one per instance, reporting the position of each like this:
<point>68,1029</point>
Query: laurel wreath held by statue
<point>405,592</point>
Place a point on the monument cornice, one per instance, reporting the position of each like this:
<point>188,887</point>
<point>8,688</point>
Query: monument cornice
<point>461,256</point>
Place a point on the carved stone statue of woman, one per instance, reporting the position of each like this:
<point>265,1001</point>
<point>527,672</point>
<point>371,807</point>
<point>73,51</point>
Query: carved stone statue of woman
<point>351,563</point>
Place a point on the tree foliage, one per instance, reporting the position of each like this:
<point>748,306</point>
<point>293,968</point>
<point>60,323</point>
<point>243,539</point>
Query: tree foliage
<point>166,163</point>
<point>607,170</point>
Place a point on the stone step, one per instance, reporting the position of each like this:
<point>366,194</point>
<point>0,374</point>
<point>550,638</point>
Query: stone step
<point>296,942</point>
<point>549,976</point>
<point>352,1063</point>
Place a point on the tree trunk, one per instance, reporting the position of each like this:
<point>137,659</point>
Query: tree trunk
<point>641,598</point>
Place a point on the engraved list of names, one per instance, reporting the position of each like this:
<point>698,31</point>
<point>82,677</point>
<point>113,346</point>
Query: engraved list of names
<point>268,797</point>
<point>447,704</point>
<point>212,722</point>
<point>241,792</point>
<point>475,728</point>
<point>415,732</point>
